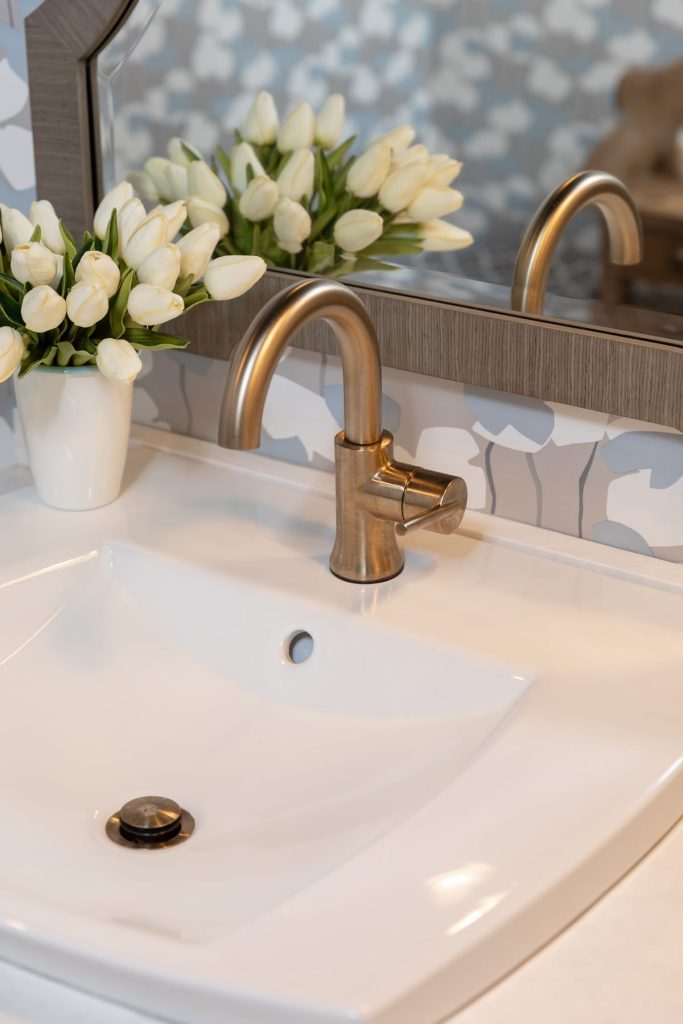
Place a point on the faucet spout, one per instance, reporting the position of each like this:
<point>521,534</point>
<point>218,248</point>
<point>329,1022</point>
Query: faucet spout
<point>588,188</point>
<point>255,359</point>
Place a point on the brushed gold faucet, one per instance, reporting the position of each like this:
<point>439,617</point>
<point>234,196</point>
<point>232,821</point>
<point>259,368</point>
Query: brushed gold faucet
<point>587,188</point>
<point>376,497</point>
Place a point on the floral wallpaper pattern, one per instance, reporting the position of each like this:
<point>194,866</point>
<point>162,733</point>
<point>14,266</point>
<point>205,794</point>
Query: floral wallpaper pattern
<point>520,92</point>
<point>610,480</point>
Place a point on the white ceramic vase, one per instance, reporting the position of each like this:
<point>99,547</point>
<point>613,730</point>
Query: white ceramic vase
<point>76,424</point>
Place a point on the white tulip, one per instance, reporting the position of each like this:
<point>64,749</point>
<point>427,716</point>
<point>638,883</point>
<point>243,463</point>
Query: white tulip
<point>143,185</point>
<point>170,179</point>
<point>329,124</point>
<point>243,156</point>
<point>402,185</point>
<point>368,173</point>
<point>297,176</point>
<point>409,156</point>
<point>118,360</point>
<point>196,249</point>
<point>175,213</point>
<point>298,130</point>
<point>151,305</point>
<point>200,211</point>
<point>176,176</point>
<point>87,304</point>
<point>440,236</point>
<point>16,226</point>
<point>430,203</point>
<point>161,267</point>
<point>152,233</point>
<point>203,182</point>
<point>33,263</point>
<point>43,309</point>
<point>292,225</point>
<point>44,216</point>
<point>258,200</point>
<point>11,351</point>
<point>262,120</point>
<point>230,276</point>
<point>357,229</point>
<point>177,151</point>
<point>99,269</point>
<point>128,220</point>
<point>442,170</point>
<point>398,138</point>
<point>114,200</point>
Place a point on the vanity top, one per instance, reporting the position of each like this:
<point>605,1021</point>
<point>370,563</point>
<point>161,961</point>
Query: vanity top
<point>594,593</point>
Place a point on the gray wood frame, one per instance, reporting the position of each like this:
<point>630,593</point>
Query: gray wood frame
<point>573,364</point>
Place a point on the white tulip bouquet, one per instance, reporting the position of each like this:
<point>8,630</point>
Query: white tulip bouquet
<point>294,194</point>
<point>103,302</point>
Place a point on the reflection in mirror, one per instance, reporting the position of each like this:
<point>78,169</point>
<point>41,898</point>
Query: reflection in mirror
<point>525,98</point>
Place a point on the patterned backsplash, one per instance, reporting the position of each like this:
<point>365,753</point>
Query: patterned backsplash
<point>588,474</point>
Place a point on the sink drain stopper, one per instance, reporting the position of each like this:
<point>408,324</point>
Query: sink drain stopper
<point>150,823</point>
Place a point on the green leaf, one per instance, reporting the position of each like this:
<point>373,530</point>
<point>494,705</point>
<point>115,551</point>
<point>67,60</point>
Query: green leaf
<point>119,306</point>
<point>190,152</point>
<point>320,257</point>
<point>406,231</point>
<point>68,277</point>
<point>68,241</point>
<point>12,285</point>
<point>65,352</point>
<point>37,356</point>
<point>196,296</point>
<point>111,238</point>
<point>85,345</point>
<point>322,220</point>
<point>37,232</point>
<point>336,156</point>
<point>183,285</point>
<point>224,161</point>
<point>391,247</point>
<point>10,311</point>
<point>143,337</point>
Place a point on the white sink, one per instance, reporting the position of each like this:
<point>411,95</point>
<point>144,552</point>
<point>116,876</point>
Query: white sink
<point>383,829</point>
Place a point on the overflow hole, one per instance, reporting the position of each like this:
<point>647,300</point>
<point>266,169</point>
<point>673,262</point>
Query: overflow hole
<point>300,647</point>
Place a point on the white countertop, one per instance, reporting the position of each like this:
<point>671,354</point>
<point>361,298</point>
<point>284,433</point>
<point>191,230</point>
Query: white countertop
<point>620,961</point>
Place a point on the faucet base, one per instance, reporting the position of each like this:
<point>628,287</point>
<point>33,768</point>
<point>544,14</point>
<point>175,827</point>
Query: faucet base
<point>366,549</point>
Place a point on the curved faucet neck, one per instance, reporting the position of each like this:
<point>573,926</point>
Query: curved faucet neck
<point>272,331</point>
<point>588,188</point>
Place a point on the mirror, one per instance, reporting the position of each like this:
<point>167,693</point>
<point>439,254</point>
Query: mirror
<point>523,97</point>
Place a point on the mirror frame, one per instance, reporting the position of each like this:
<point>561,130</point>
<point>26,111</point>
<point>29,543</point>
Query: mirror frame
<point>603,370</point>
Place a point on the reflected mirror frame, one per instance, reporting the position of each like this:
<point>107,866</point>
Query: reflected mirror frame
<point>599,369</point>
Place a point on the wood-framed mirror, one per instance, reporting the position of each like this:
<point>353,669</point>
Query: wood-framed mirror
<point>98,110</point>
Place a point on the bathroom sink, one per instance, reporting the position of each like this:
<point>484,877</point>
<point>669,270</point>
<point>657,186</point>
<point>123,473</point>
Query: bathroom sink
<point>179,682</point>
<point>400,791</point>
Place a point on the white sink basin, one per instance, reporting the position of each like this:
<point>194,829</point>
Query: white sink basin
<point>136,674</point>
<point>382,829</point>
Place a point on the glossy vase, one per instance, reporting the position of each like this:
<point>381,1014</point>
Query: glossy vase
<point>76,424</point>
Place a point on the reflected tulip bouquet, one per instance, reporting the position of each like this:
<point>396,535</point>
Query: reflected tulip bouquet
<point>103,302</point>
<point>294,193</point>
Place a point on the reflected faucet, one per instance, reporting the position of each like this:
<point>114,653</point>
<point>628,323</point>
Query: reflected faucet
<point>376,497</point>
<point>588,188</point>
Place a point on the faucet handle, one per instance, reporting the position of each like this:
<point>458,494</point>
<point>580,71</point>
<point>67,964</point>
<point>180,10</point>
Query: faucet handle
<point>452,511</point>
<point>435,501</point>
